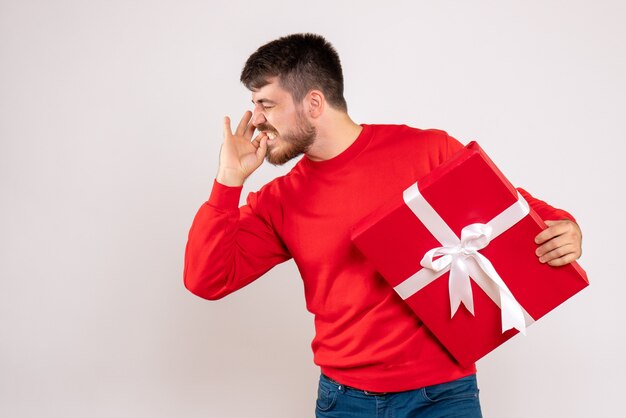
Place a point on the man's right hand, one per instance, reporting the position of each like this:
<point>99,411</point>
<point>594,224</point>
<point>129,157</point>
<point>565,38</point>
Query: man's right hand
<point>240,154</point>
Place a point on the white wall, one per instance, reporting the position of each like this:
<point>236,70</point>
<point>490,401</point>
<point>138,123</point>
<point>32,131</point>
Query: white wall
<point>110,125</point>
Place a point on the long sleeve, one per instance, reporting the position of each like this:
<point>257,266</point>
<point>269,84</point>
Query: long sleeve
<point>544,210</point>
<point>229,247</point>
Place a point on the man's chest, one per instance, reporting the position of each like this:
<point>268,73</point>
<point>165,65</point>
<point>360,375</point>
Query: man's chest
<point>316,226</point>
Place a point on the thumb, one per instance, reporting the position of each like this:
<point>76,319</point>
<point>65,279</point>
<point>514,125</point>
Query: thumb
<point>262,150</point>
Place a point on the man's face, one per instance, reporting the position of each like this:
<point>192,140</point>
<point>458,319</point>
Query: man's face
<point>290,133</point>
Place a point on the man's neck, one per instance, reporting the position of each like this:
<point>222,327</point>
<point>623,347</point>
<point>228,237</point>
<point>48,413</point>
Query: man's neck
<point>335,133</point>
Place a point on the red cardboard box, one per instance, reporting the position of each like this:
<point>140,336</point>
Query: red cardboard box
<point>467,189</point>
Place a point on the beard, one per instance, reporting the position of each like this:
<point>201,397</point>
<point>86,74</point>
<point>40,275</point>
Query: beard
<point>290,144</point>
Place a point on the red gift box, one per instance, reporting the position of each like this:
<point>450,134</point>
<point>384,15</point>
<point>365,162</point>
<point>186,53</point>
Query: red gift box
<point>414,243</point>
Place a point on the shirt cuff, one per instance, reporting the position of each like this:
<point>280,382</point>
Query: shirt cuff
<point>224,197</point>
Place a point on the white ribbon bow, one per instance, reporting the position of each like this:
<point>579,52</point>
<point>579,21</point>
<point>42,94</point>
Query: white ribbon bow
<point>462,258</point>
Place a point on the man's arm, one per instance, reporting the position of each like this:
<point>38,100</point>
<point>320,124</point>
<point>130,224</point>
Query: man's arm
<point>229,247</point>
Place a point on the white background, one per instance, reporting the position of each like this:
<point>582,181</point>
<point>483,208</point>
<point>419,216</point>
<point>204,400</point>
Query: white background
<point>110,126</point>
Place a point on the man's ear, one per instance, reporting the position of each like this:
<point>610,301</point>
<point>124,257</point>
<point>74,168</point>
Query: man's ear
<point>315,103</point>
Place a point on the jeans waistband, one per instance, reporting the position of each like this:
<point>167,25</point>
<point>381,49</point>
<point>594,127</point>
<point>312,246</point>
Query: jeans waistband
<point>365,392</point>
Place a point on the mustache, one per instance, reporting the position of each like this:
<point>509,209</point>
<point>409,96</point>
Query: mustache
<point>266,127</point>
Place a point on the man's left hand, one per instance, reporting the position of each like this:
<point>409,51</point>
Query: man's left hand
<point>560,243</point>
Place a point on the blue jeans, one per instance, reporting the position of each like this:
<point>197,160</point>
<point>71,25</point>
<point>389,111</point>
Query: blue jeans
<point>458,398</point>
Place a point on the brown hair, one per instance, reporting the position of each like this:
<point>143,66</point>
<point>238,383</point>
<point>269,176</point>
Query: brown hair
<point>301,62</point>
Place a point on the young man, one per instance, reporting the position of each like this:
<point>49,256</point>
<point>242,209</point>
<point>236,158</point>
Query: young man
<point>374,353</point>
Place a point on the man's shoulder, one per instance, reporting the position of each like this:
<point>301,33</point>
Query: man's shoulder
<point>404,134</point>
<point>408,131</point>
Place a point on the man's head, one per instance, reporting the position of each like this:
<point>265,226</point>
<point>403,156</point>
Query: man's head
<point>292,79</point>
<point>301,63</point>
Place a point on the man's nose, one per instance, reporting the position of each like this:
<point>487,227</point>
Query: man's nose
<point>258,118</point>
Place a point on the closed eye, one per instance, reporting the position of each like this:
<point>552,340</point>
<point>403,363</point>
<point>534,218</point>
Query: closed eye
<point>265,104</point>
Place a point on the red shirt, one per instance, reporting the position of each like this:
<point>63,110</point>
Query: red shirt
<point>366,336</point>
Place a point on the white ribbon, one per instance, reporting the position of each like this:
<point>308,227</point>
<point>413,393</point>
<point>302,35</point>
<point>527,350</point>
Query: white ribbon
<point>462,258</point>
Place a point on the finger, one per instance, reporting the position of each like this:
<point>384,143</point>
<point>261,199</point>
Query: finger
<point>249,130</point>
<point>243,123</point>
<point>257,140</point>
<point>545,235</point>
<point>554,243</point>
<point>262,149</point>
<point>554,229</point>
<point>227,130</point>
<point>561,261</point>
<point>559,252</point>
<point>563,226</point>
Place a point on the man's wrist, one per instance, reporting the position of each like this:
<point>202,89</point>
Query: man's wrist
<point>229,178</point>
